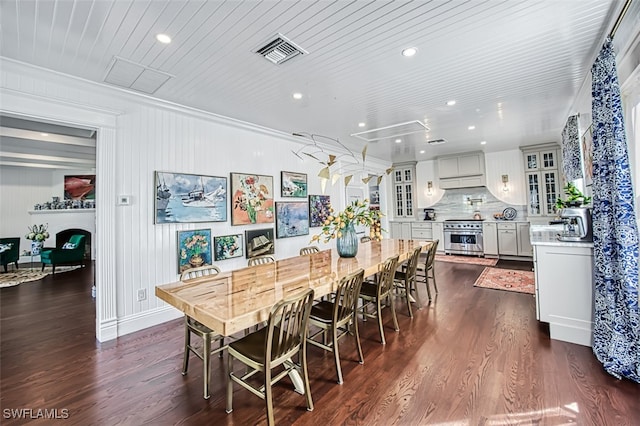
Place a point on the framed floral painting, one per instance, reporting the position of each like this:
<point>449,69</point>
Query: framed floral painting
<point>293,184</point>
<point>252,199</point>
<point>292,218</point>
<point>259,242</point>
<point>318,209</point>
<point>227,247</point>
<point>194,249</point>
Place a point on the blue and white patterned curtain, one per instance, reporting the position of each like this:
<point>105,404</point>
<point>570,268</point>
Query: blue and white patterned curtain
<point>571,160</point>
<point>616,334</point>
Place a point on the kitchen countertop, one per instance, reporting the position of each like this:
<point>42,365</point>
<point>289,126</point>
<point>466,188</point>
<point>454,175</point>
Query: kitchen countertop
<point>547,235</point>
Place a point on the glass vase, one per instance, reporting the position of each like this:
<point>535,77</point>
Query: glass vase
<point>347,243</point>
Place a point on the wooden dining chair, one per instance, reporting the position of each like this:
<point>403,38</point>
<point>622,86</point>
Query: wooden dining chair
<point>337,315</point>
<point>261,260</point>
<point>426,270</point>
<point>309,250</point>
<point>205,333</point>
<point>271,347</point>
<point>405,280</point>
<point>379,291</point>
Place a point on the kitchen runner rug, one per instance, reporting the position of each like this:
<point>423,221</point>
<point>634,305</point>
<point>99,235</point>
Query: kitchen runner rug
<point>507,279</point>
<point>472,260</point>
<point>19,276</point>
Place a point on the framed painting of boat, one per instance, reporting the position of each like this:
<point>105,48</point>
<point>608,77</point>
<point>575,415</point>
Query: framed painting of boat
<point>292,218</point>
<point>252,199</point>
<point>293,184</point>
<point>187,198</point>
<point>228,246</point>
<point>319,206</point>
<point>259,242</point>
<point>80,187</point>
<point>194,249</point>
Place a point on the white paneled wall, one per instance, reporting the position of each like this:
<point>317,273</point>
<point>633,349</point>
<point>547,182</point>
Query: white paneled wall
<point>20,189</point>
<point>150,136</point>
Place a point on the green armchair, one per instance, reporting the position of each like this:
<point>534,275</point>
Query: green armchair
<point>10,254</point>
<point>70,253</point>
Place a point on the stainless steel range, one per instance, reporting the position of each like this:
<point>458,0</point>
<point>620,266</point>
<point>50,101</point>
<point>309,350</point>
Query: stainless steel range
<point>463,236</point>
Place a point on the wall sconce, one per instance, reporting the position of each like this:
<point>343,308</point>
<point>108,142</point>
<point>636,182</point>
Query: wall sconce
<point>505,180</point>
<point>429,188</point>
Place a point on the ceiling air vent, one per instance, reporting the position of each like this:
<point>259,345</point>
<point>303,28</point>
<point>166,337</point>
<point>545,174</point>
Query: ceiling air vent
<point>280,49</point>
<point>436,141</point>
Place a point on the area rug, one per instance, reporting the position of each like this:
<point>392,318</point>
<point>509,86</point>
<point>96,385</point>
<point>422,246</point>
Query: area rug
<point>19,276</point>
<point>472,260</point>
<point>507,279</point>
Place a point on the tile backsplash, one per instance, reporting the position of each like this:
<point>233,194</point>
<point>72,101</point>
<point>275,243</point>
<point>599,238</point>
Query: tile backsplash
<point>462,203</point>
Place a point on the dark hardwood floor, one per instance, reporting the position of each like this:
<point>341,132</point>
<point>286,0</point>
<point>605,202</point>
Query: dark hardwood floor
<point>472,357</point>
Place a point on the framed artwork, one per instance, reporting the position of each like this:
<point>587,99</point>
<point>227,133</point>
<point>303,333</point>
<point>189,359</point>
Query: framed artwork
<point>293,184</point>
<point>292,218</point>
<point>252,199</point>
<point>227,247</point>
<point>374,193</point>
<point>194,249</point>
<point>356,194</point>
<point>80,187</point>
<point>259,242</point>
<point>318,209</point>
<point>186,198</point>
<point>587,155</point>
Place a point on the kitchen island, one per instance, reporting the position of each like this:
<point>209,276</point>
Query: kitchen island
<point>564,284</point>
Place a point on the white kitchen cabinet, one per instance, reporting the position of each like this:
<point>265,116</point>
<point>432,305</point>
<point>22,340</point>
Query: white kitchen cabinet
<point>524,241</point>
<point>507,239</point>
<point>462,170</point>
<point>422,231</point>
<point>490,237</point>
<point>437,231</point>
<point>404,190</point>
<point>564,291</point>
<point>460,165</point>
<point>401,230</point>
<point>542,179</point>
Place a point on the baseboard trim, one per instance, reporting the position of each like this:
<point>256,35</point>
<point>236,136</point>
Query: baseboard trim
<point>137,322</point>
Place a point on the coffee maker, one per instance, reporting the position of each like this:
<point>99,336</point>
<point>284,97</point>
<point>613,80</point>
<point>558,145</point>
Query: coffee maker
<point>577,225</point>
<point>429,214</point>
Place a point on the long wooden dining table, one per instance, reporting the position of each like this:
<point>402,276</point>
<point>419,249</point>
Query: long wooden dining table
<point>236,300</point>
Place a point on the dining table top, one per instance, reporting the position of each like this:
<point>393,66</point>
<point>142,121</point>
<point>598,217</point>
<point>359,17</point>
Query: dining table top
<point>232,301</point>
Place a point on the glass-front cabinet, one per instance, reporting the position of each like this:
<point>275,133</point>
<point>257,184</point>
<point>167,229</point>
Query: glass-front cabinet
<point>542,178</point>
<point>403,186</point>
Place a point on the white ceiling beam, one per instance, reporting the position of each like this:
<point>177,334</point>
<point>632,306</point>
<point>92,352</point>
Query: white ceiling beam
<point>44,166</point>
<point>50,138</point>
<point>47,158</point>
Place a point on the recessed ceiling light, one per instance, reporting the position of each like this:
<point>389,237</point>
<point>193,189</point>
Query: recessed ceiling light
<point>451,102</point>
<point>361,124</point>
<point>472,127</point>
<point>483,142</point>
<point>409,52</point>
<point>297,95</point>
<point>422,151</point>
<point>163,38</point>
<point>398,140</point>
<point>44,134</point>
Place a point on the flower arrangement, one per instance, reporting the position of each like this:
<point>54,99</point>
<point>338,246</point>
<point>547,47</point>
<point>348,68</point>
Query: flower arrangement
<point>37,233</point>
<point>356,213</point>
<point>194,246</point>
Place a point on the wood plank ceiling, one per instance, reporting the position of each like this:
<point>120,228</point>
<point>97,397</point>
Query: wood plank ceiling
<point>513,67</point>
